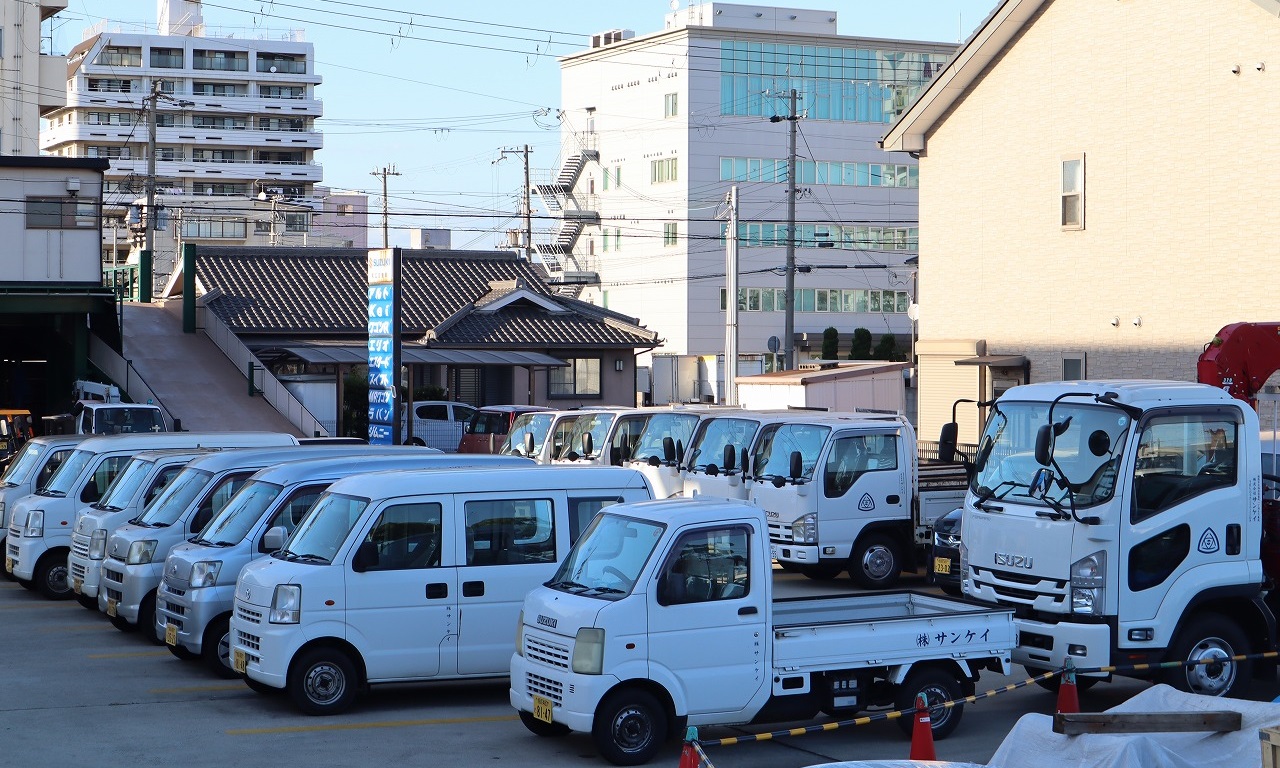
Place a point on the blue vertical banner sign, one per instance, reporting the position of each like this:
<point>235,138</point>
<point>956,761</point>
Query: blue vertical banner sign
<point>384,346</point>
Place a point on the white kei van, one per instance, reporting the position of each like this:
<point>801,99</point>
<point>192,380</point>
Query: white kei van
<point>410,576</point>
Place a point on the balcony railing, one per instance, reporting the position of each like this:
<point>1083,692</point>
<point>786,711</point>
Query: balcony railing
<point>166,60</point>
<point>119,59</point>
<point>282,66</point>
<point>220,64</point>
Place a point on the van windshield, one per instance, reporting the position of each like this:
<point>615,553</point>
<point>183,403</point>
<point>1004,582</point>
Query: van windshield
<point>716,434</point>
<point>64,479</point>
<point>320,534</point>
<point>23,465</point>
<point>772,456</point>
<point>536,424</point>
<point>677,426</point>
<point>607,561</point>
<point>122,490</point>
<point>241,513</point>
<point>597,425</point>
<point>117,420</point>
<point>176,497</point>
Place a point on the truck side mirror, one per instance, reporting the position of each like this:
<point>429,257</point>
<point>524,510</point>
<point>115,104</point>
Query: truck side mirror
<point>587,445</point>
<point>730,459</point>
<point>947,441</point>
<point>273,539</point>
<point>366,557</point>
<point>528,443</point>
<point>797,465</point>
<point>1044,438</point>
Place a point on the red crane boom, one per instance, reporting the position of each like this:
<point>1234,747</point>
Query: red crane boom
<point>1240,359</point>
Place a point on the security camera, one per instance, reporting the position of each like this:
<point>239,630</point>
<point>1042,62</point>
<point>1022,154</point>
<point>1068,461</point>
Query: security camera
<point>1260,66</point>
<point>1235,69</point>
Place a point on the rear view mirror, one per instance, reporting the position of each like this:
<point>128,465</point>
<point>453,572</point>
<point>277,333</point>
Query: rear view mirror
<point>730,458</point>
<point>528,443</point>
<point>797,465</point>
<point>273,539</point>
<point>669,449</point>
<point>947,442</point>
<point>366,557</point>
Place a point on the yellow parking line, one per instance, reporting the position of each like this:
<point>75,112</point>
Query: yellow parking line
<point>361,726</point>
<point>202,688</point>
<point>72,628</point>
<point>139,654</point>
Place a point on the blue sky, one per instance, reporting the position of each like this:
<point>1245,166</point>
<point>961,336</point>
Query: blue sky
<point>439,91</point>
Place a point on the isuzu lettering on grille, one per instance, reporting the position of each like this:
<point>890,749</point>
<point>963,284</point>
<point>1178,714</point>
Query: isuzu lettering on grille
<point>547,621</point>
<point>1013,561</point>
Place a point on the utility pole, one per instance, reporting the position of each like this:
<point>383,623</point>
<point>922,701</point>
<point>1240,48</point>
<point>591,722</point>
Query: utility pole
<point>789,326</point>
<point>151,103</point>
<point>731,303</point>
<point>384,172</point>
<point>528,207</point>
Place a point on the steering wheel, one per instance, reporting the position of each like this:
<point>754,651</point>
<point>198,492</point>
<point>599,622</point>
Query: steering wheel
<point>617,574</point>
<point>1213,469</point>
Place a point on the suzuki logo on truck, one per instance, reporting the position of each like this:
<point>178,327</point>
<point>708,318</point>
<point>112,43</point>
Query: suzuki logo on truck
<point>547,621</point>
<point>1013,561</point>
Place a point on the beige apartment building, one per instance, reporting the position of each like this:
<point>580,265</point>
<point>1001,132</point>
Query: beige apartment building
<point>1096,193</point>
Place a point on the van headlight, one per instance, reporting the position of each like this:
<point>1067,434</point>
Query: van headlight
<point>98,544</point>
<point>588,651</point>
<point>1088,580</point>
<point>140,552</point>
<point>34,528</point>
<point>205,573</point>
<point>286,604</point>
<point>520,635</point>
<point>805,530</point>
<point>964,567</point>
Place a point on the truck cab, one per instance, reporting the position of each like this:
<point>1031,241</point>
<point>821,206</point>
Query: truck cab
<point>719,456</point>
<point>1122,520</point>
<point>32,467</point>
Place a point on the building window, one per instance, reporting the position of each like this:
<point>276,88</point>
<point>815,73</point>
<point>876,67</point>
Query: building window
<point>580,378</point>
<point>282,91</point>
<point>110,118</point>
<point>110,85</point>
<point>663,170</point>
<point>297,222</point>
<point>61,213</point>
<point>262,227</point>
<point>222,61</point>
<point>670,105</point>
<point>116,56</point>
<point>669,234</point>
<point>346,209</point>
<point>166,58</point>
<point>1073,368</point>
<point>281,63</point>
<point>217,89</point>
<point>1073,192</point>
<point>214,228</point>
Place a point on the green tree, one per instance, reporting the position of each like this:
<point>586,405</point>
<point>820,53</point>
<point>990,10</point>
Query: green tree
<point>830,344</point>
<point>887,347</point>
<point>860,349</point>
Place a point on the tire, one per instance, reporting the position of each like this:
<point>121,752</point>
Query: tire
<point>630,727</point>
<point>215,648</point>
<point>322,681</point>
<point>50,576</point>
<point>1210,636</point>
<point>182,653</point>
<point>540,728</point>
<point>262,688</point>
<point>788,566</point>
<point>416,441</point>
<point>88,603</point>
<point>26,584</point>
<point>952,590</point>
<point>876,562</point>
<point>937,685</point>
<point>147,620</point>
<point>1053,683</point>
<point>825,572</point>
<point>122,624</point>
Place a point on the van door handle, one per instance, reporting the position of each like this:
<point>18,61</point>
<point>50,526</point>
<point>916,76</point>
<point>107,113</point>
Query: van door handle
<point>747,611</point>
<point>437,591</point>
<point>472,588</point>
<point>894,499</point>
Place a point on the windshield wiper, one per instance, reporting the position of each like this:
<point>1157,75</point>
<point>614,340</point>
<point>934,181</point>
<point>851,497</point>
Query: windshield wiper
<point>109,508</point>
<point>51,492</point>
<point>567,585</point>
<point>309,558</point>
<point>224,543</point>
<point>140,522</point>
<point>609,590</point>
<point>199,540</point>
<point>160,525</point>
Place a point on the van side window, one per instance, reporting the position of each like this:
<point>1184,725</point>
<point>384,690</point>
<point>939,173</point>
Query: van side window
<point>96,488</point>
<point>51,466</point>
<point>216,499</point>
<point>162,479</point>
<point>851,457</point>
<point>510,531</point>
<point>291,511</point>
<point>582,511</point>
<point>707,565</point>
<point>1180,456</point>
<point>406,537</point>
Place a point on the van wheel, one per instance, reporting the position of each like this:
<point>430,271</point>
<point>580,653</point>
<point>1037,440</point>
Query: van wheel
<point>1054,683</point>
<point>261,688</point>
<point>322,681</point>
<point>50,577</point>
<point>823,572</point>
<point>542,728</point>
<point>937,686</point>
<point>88,603</point>
<point>180,652</point>
<point>876,562</point>
<point>630,727</point>
<point>1211,638</point>
<point>416,441</point>
<point>121,623</point>
<point>147,620</point>
<point>215,648</point>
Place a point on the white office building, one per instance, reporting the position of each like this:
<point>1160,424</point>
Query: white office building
<point>658,127</point>
<point>33,78</point>
<point>235,126</point>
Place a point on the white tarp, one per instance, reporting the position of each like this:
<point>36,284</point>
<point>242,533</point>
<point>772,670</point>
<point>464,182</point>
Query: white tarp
<point>1033,744</point>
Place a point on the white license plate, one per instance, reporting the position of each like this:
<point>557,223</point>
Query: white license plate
<point>942,565</point>
<point>77,585</point>
<point>111,607</point>
<point>171,634</point>
<point>239,662</point>
<point>542,709</point>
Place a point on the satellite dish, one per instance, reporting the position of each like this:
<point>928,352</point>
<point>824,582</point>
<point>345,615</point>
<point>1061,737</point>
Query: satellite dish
<point>273,69</point>
<point>675,5</point>
<point>913,311</point>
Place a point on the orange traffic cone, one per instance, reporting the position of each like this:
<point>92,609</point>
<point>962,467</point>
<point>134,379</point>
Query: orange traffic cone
<point>1068,698</point>
<point>922,733</point>
<point>688,755</point>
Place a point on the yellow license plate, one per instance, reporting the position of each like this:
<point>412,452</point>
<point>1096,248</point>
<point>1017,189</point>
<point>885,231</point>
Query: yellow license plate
<point>171,634</point>
<point>239,662</point>
<point>77,585</point>
<point>942,565</point>
<point>8,564</point>
<point>542,709</point>
<point>111,607</point>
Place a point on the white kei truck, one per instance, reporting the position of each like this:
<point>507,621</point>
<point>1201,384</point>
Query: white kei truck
<point>138,483</point>
<point>39,537</point>
<point>32,467</point>
<point>410,576</point>
<point>194,602</point>
<point>136,550</point>
<point>847,492</point>
<point>1124,524</point>
<point>544,435</point>
<point>663,616</point>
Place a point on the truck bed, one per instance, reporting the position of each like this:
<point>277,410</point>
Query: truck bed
<point>847,632</point>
